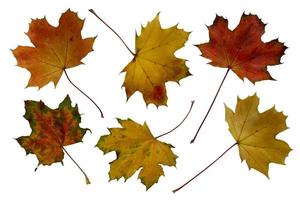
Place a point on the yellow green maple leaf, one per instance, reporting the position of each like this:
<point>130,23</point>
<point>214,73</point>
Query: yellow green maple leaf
<point>136,148</point>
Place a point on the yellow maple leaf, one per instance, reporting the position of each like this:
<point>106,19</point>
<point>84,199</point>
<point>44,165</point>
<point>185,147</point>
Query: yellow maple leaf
<point>55,48</point>
<point>154,62</point>
<point>136,148</point>
<point>255,134</point>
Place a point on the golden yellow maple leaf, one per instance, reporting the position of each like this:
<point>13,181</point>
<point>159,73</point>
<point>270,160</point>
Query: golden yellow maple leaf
<point>154,62</point>
<point>55,48</point>
<point>255,134</point>
<point>136,148</point>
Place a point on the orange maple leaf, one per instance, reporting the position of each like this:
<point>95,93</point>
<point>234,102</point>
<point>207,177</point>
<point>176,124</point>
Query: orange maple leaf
<point>55,48</point>
<point>242,49</point>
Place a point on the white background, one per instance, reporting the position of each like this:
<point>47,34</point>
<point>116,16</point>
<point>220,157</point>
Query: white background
<point>227,179</point>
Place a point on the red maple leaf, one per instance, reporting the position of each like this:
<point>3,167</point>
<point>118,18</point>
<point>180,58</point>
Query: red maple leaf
<point>242,49</point>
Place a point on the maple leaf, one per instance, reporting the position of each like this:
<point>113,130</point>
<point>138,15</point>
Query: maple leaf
<point>51,130</point>
<point>136,148</point>
<point>242,49</point>
<point>255,134</point>
<point>154,62</point>
<point>55,49</point>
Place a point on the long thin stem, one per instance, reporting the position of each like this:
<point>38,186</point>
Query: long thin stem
<point>87,180</point>
<point>166,133</point>
<point>84,93</point>
<point>205,168</point>
<point>94,13</point>
<point>211,105</point>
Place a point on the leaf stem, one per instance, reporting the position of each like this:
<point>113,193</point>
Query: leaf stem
<point>83,93</point>
<point>205,168</point>
<point>166,133</point>
<point>87,180</point>
<point>211,105</point>
<point>94,13</point>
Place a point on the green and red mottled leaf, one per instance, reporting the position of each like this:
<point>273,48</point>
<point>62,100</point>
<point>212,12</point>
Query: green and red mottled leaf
<point>51,130</point>
<point>242,49</point>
